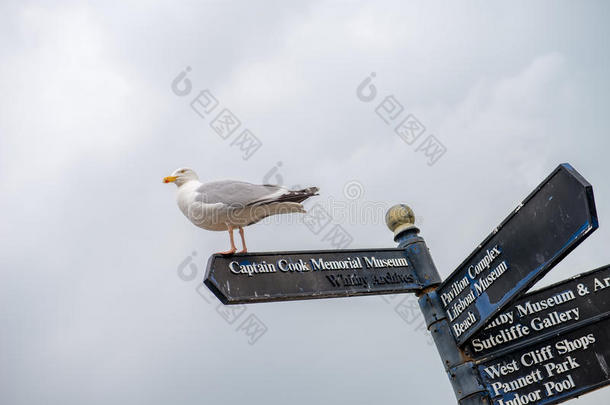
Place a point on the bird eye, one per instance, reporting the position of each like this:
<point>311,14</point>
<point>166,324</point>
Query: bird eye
<point>182,171</point>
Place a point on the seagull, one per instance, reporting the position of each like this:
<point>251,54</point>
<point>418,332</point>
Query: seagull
<point>229,204</point>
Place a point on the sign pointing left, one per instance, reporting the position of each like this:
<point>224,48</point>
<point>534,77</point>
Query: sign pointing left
<point>282,276</point>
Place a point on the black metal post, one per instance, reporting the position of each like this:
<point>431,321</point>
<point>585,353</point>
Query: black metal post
<point>460,369</point>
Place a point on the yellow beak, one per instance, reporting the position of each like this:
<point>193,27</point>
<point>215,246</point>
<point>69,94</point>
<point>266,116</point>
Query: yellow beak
<point>169,179</point>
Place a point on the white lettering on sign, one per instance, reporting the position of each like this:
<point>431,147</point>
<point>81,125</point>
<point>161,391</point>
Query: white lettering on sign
<point>555,318</point>
<point>531,308</point>
<point>484,283</point>
<point>541,373</point>
<point>252,268</point>
<point>573,301</point>
<point>601,284</point>
<point>287,266</point>
<point>479,277</point>
<point>484,263</point>
<point>504,336</point>
<point>461,327</point>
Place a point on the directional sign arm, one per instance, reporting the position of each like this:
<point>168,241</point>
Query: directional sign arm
<point>284,276</point>
<point>563,306</point>
<point>555,218</point>
<point>552,370</point>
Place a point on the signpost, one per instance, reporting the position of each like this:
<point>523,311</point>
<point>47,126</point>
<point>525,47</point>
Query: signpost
<point>281,276</point>
<point>497,344</point>
<point>552,370</point>
<point>555,218</point>
<point>568,304</point>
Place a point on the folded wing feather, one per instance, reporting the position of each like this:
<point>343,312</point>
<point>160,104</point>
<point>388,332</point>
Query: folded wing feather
<point>239,194</point>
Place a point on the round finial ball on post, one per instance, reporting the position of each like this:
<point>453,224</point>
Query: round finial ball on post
<point>399,218</point>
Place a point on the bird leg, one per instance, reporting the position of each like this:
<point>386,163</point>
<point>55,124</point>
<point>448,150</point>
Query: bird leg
<point>243,241</point>
<point>233,248</point>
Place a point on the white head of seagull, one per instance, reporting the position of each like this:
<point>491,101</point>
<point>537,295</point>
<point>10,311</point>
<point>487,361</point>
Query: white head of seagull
<point>181,176</point>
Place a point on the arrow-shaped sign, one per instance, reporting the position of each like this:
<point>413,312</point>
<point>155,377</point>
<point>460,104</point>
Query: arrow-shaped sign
<point>557,216</point>
<point>282,276</point>
<point>553,370</point>
<point>562,306</point>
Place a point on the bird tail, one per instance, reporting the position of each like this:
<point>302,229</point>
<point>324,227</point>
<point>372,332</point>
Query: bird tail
<point>298,196</point>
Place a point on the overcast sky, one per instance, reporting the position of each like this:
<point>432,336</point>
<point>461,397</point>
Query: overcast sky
<point>97,304</point>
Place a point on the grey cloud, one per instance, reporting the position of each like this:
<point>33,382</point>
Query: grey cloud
<point>92,306</point>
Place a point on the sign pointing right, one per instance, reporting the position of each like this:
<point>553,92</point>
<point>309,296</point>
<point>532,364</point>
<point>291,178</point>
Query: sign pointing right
<point>566,305</point>
<point>555,218</point>
<point>552,370</point>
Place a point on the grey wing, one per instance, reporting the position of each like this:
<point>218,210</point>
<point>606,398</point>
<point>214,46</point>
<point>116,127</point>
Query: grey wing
<point>238,193</point>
